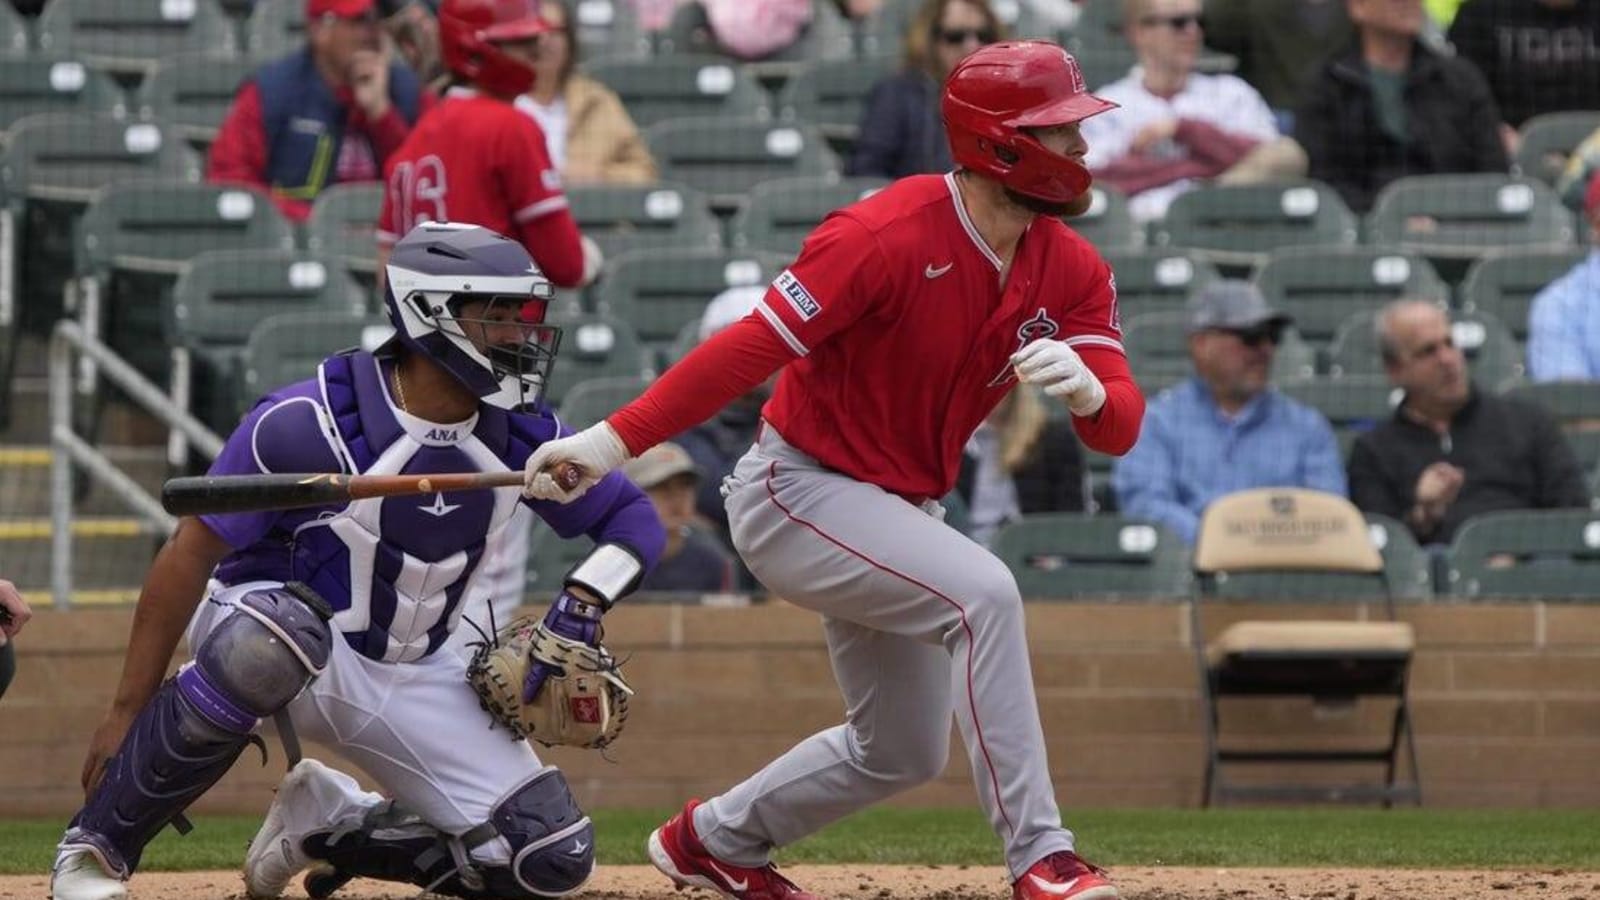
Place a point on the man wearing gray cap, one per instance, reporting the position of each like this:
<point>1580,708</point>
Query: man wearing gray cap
<point>693,560</point>
<point>1225,429</point>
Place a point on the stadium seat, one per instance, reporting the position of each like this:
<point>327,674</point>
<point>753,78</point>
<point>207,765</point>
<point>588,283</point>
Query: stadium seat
<point>831,94</point>
<point>342,227</point>
<point>1105,62</point>
<point>38,84</point>
<point>193,93</point>
<point>1547,141</point>
<point>780,213</point>
<point>1492,353</point>
<point>595,347</point>
<point>129,37</point>
<point>657,89</point>
<point>634,217</point>
<point>1158,350</point>
<point>1284,549</point>
<point>1352,404</point>
<point>1504,282</point>
<point>220,297</point>
<point>15,35</point>
<point>1060,555</point>
<point>1107,223</point>
<point>274,29</point>
<point>1576,404</point>
<point>587,402</point>
<point>1239,225</point>
<point>1157,279</point>
<point>287,348</point>
<point>137,237</point>
<point>660,291</point>
<point>1454,219</point>
<point>1527,554</point>
<point>609,28</point>
<point>1323,286</point>
<point>730,156</point>
<point>1409,567</point>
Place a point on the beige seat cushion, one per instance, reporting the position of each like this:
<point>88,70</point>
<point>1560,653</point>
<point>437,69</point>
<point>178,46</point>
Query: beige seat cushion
<point>1311,637</point>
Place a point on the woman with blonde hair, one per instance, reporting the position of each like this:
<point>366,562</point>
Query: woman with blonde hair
<point>900,132</point>
<point>1020,461</point>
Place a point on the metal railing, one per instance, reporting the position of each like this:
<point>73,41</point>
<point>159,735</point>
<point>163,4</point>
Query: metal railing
<point>67,448</point>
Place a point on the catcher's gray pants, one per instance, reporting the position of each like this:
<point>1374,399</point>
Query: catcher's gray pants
<point>416,728</point>
<point>920,622</point>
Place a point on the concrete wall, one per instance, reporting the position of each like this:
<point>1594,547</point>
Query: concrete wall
<point>1506,698</point>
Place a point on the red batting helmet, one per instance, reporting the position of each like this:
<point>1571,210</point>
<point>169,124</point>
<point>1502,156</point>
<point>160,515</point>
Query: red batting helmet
<point>468,32</point>
<point>1001,89</point>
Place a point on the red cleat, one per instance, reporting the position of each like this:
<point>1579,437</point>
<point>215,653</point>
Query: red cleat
<point>678,853</point>
<point>1063,875</point>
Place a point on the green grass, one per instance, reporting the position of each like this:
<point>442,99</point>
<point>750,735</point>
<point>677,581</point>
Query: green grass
<point>1311,837</point>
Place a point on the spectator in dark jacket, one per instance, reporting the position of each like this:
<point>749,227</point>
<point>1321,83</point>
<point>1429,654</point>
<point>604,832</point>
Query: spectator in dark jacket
<point>330,112</point>
<point>1452,451</point>
<point>1019,462</point>
<point>1389,106</point>
<point>1538,55</point>
<point>693,560</point>
<point>901,133</point>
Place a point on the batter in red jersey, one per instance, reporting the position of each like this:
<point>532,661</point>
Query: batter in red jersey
<point>475,158</point>
<point>904,321</point>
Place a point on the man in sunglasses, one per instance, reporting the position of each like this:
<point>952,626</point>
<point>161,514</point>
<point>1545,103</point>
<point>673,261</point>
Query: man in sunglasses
<point>1178,128</point>
<point>1225,429</point>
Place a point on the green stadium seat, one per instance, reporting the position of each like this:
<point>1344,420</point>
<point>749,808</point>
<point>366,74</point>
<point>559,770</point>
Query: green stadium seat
<point>274,28</point>
<point>595,347</point>
<point>831,94</point>
<point>288,347</point>
<point>661,291</point>
<point>15,34</point>
<point>343,226</point>
<point>1408,567</point>
<point>1060,555</point>
<point>1454,219</point>
<point>609,28</point>
<point>1323,286</point>
<point>644,217</point>
<point>1351,404</point>
<point>724,156</point>
<point>220,297</point>
<point>1158,350</point>
<point>129,37</point>
<point>1547,141</point>
<point>550,559</point>
<point>657,89</point>
<point>780,213</point>
<point>587,402</point>
<point>1103,63</point>
<point>1492,353</point>
<point>1527,554</point>
<point>1107,223</point>
<point>34,85</point>
<point>193,93</point>
<point>1504,282</point>
<point>1155,279</point>
<point>1576,404</point>
<point>1239,225</point>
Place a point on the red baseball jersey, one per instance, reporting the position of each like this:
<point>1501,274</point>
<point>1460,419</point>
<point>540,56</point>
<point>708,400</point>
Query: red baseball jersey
<point>904,332</point>
<point>471,159</point>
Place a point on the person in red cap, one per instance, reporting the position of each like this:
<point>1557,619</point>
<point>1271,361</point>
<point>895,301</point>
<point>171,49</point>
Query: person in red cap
<point>331,112</point>
<point>906,318</point>
<point>1564,320</point>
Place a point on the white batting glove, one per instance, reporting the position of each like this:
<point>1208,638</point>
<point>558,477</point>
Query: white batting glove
<point>1059,371</point>
<point>595,451</point>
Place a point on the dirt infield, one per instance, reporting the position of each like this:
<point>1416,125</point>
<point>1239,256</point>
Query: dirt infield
<point>865,882</point>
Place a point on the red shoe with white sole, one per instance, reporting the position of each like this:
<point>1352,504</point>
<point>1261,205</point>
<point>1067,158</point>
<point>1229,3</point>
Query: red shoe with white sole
<point>677,852</point>
<point>1063,876</point>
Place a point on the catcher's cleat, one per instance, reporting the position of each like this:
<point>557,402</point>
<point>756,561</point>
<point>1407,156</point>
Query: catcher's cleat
<point>78,875</point>
<point>678,853</point>
<point>1064,876</point>
<point>323,880</point>
<point>309,798</point>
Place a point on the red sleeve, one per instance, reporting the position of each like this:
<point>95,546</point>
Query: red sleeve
<point>239,154</point>
<point>1092,319</point>
<point>1115,428</point>
<point>839,275</point>
<point>728,364</point>
<point>552,240</point>
<point>532,188</point>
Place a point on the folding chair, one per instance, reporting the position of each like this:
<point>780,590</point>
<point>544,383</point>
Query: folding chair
<point>1504,282</point>
<point>1238,225</point>
<point>1058,555</point>
<point>129,37</point>
<point>1527,554</point>
<point>1273,545</point>
<point>780,213</point>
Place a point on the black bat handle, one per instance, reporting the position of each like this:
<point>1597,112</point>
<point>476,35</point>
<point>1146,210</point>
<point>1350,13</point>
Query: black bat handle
<point>204,494</point>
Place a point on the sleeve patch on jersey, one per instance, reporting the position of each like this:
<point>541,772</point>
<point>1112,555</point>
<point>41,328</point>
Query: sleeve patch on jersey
<point>550,179</point>
<point>805,305</point>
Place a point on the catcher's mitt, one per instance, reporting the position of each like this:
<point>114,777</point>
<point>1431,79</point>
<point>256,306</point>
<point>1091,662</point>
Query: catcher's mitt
<point>584,702</point>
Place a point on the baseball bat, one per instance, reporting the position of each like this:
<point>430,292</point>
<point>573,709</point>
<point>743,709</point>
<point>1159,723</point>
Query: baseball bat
<point>211,494</point>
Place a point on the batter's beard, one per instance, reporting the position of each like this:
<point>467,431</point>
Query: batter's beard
<point>1077,206</point>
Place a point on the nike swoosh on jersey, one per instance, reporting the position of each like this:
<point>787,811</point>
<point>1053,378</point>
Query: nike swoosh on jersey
<point>1060,890</point>
<point>740,885</point>
<point>931,272</point>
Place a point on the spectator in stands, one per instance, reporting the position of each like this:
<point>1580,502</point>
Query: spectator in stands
<point>901,133</point>
<point>1177,128</point>
<point>1019,462</point>
<point>14,613</point>
<point>414,28</point>
<point>1564,323</point>
<point>590,135</point>
<point>1388,106</point>
<point>327,113</point>
<point>755,29</point>
<point>693,560</point>
<point>1280,46</point>
<point>1452,451</point>
<point>1538,55</point>
<point>1226,429</point>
